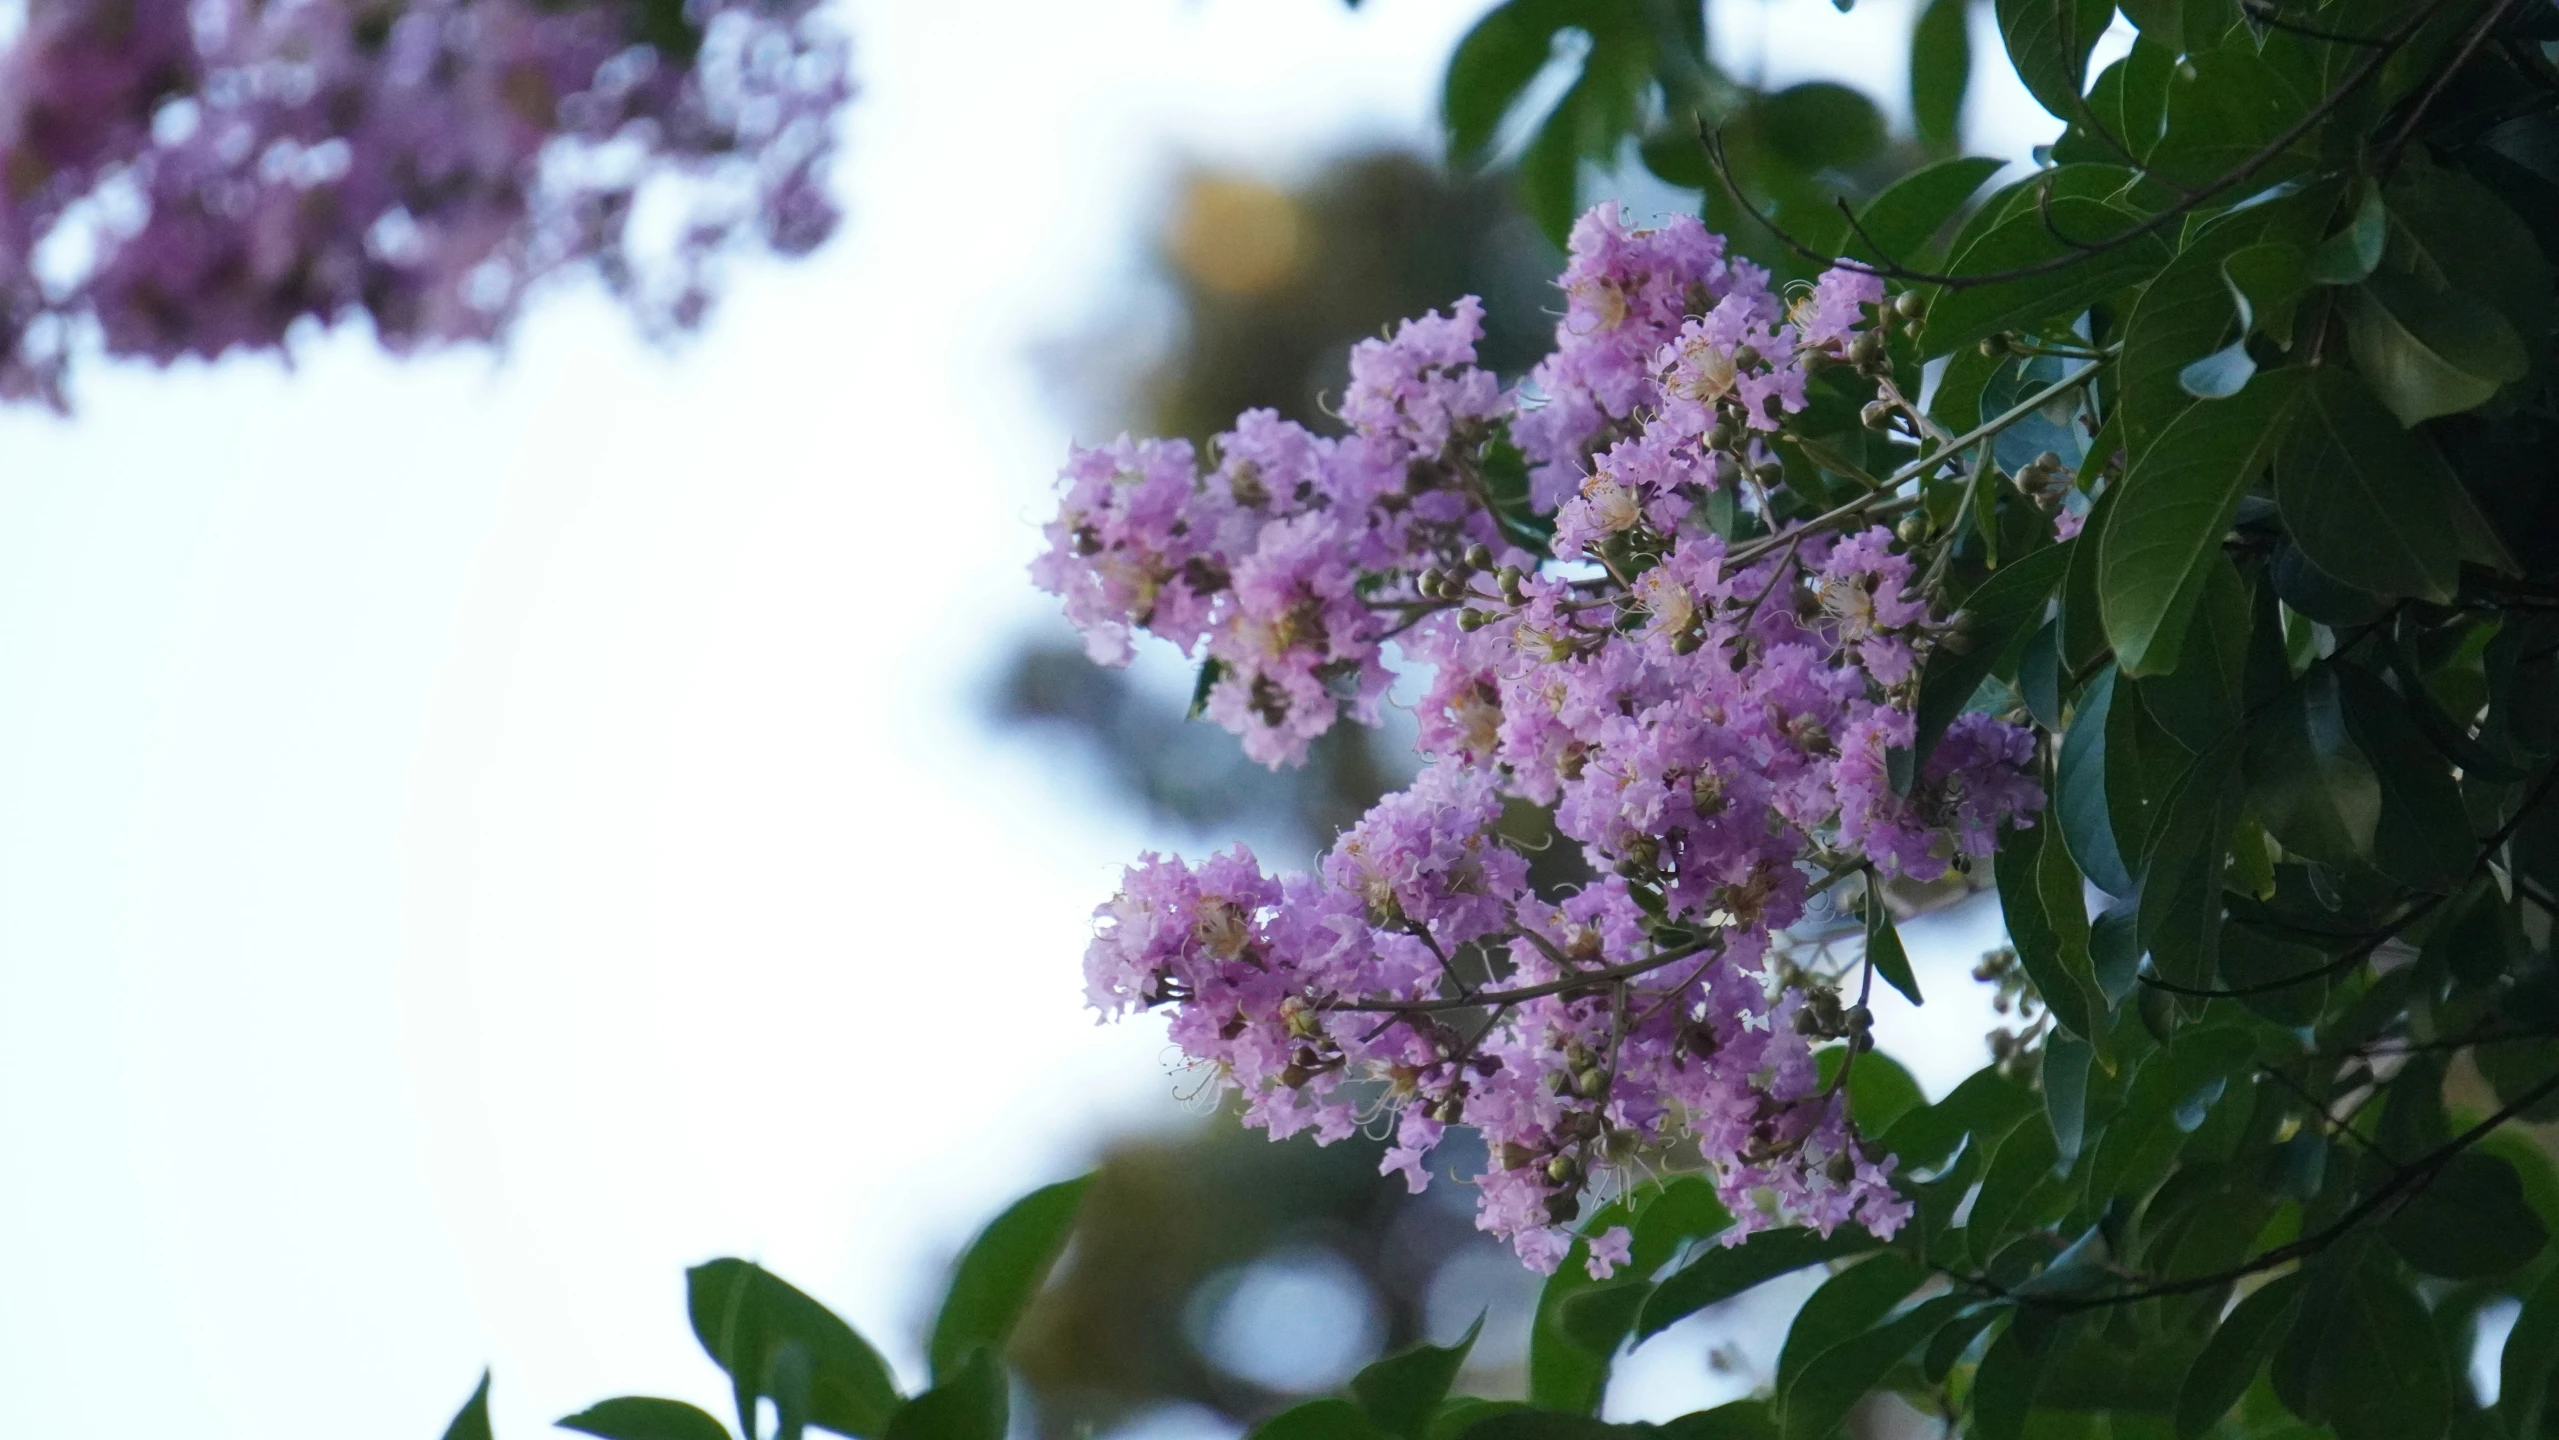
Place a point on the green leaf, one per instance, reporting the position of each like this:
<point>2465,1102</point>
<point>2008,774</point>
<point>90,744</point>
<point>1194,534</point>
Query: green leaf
<point>2469,1222</point>
<point>1491,67</point>
<point>2087,825</point>
<point>2366,500</point>
<point>2267,281</point>
<point>1563,1373</point>
<point>1880,1091</point>
<point>2181,906</point>
<point>2530,1361</point>
<point>2004,1386</point>
<point>1847,1304</point>
<point>1001,1270</point>
<point>1598,1319</point>
<point>2430,352</point>
<point>2353,253</point>
<point>1820,125</point>
<point>2221,374</point>
<point>2239,1348</point>
<point>1902,221</point>
<point>2309,783</point>
<point>1941,69</point>
<point>2423,836</point>
<point>2050,296</point>
<point>972,1403</point>
<point>2370,1365</point>
<point>471,1422</point>
<point>2065,1085</point>
<point>2051,945</point>
<point>1400,1392</point>
<point>2140,1143</point>
<point>638,1417</point>
<point>2178,502</point>
<point>2225,106</point>
<point>2049,42</point>
<point>1722,1272</point>
<point>1884,948</point>
<point>2183,315</point>
<point>2009,603</point>
<point>759,1329</point>
<point>1342,1420</point>
<point>1818,1401</point>
<point>2026,1160</point>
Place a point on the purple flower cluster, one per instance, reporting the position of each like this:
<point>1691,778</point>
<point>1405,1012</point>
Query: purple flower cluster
<point>1709,720</point>
<point>197,175</point>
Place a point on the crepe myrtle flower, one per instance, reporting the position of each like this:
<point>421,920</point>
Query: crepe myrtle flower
<point>1708,723</point>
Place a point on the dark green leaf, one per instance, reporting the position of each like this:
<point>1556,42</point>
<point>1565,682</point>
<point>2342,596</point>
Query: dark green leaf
<point>1884,949</point>
<point>2140,1142</point>
<point>2346,257</point>
<point>1597,1319</point>
<point>2026,1160</point>
<point>2065,1086</point>
<point>2267,281</point>
<point>2372,1365</point>
<point>1941,68</point>
<point>2469,1222</point>
<point>2423,837</point>
<point>2430,352</point>
<point>1401,1391</point>
<point>2182,316</point>
<point>2221,374</point>
<point>2178,502</point>
<point>2048,43</point>
<point>1721,1272</point>
<point>2181,906</point>
<point>2225,106</point>
<point>1563,1373</point>
<point>757,1327</point>
<point>2052,946</point>
<point>637,1417</point>
<point>2050,296</point>
<point>471,1422</point>
<point>2287,983</point>
<point>2087,827</point>
<point>1342,1420</point>
<point>2530,1360</point>
<point>2200,699</point>
<point>2308,782</point>
<point>1846,1305</point>
<point>2004,1386</point>
<point>1832,1383</point>
<point>1820,125</point>
<point>1880,1091</point>
<point>2239,1347</point>
<point>1001,1270</point>
<point>1902,221</point>
<point>2367,501</point>
<point>1491,67</point>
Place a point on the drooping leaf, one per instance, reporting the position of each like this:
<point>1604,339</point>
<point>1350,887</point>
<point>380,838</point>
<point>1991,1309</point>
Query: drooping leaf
<point>1492,66</point>
<point>1846,1305</point>
<point>1001,1270</point>
<point>2087,826</point>
<point>2366,1359</point>
<point>2354,252</point>
<point>2423,834</point>
<point>2065,1085</point>
<point>2052,947</point>
<point>2181,890</point>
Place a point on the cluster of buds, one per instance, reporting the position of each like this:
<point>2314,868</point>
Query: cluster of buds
<point>2013,1049</point>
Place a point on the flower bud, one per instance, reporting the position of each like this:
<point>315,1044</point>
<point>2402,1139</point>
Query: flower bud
<point>1745,358</point>
<point>1860,1019</point>
<point>1841,1168</point>
<point>1878,415</point>
<point>1867,349</point>
<point>1429,583</point>
<point>1509,579</point>
<point>1912,529</point>
<point>1591,1084</point>
<point>1910,305</point>
<point>1479,556</point>
<point>1563,1170</point>
<point>1472,620</point>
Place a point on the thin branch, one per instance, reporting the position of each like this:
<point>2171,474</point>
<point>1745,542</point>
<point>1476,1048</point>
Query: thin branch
<point>1583,980</point>
<point>2443,77</point>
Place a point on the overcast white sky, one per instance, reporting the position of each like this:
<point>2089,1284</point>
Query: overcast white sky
<point>477,837</point>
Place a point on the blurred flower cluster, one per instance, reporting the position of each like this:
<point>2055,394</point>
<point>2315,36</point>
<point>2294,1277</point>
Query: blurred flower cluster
<point>194,176</point>
<point>1710,709</point>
